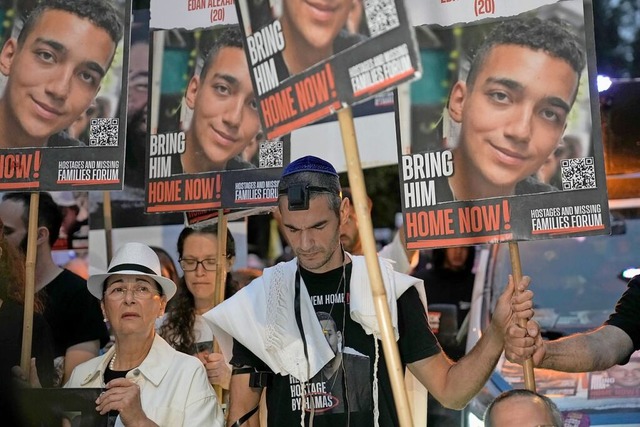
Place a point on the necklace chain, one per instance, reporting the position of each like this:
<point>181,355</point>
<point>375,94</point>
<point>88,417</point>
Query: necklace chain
<point>342,280</point>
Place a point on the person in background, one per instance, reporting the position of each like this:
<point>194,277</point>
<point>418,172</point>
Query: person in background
<point>183,327</point>
<point>146,382</point>
<point>523,408</point>
<point>449,280</point>
<point>244,276</point>
<point>12,283</point>
<point>78,328</point>
<point>396,251</point>
<point>611,344</point>
<point>68,205</point>
<point>169,270</point>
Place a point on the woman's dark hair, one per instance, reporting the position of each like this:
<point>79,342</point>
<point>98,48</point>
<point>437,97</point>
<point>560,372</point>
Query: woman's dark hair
<point>439,256</point>
<point>177,329</point>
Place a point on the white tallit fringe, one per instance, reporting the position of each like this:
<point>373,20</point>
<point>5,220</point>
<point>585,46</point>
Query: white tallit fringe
<point>376,407</point>
<point>303,403</point>
<point>278,315</point>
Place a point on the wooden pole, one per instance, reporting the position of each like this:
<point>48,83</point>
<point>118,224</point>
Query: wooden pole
<point>221,278</point>
<point>516,268</point>
<point>30,280</point>
<point>108,224</point>
<point>359,194</point>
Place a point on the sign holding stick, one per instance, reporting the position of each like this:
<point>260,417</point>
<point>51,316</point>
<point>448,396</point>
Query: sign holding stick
<point>516,268</point>
<point>359,193</point>
<point>29,290</point>
<point>108,225</point>
<point>221,276</point>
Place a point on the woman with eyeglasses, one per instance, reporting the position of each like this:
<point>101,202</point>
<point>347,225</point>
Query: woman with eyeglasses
<point>146,381</point>
<point>184,327</point>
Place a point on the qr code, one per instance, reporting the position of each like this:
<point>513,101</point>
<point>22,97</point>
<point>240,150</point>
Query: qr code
<point>271,154</point>
<point>103,133</point>
<point>381,15</point>
<point>578,174</point>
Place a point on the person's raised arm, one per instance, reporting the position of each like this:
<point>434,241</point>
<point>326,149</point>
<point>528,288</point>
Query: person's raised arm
<point>584,352</point>
<point>454,384</point>
<point>595,350</point>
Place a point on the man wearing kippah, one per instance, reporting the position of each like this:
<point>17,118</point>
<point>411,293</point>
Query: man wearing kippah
<point>271,334</point>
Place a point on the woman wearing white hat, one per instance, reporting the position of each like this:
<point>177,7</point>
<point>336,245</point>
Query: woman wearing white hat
<point>147,382</point>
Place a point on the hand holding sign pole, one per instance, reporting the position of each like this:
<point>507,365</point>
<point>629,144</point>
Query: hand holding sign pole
<point>221,276</point>
<point>516,268</point>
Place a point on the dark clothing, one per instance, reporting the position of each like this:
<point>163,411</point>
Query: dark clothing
<point>625,315</point>
<point>73,314</point>
<point>345,40</point>
<point>529,185</point>
<point>444,286</point>
<point>11,318</point>
<point>416,342</point>
<point>62,139</point>
<point>329,393</point>
<point>234,163</point>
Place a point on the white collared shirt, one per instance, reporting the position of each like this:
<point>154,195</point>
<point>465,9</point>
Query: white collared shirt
<point>174,390</point>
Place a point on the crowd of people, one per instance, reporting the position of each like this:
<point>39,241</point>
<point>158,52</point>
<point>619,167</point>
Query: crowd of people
<point>303,325</point>
<point>301,334</point>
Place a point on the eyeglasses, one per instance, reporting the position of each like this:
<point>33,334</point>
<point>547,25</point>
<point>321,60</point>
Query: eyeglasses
<point>140,292</point>
<point>190,264</point>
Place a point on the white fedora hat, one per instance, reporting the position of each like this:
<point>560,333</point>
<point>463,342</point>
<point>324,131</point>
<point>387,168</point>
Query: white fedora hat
<point>133,259</point>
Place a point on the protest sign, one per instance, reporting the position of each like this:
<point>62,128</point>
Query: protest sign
<point>206,149</point>
<point>304,70</point>
<point>509,147</point>
<point>619,381</point>
<point>62,108</point>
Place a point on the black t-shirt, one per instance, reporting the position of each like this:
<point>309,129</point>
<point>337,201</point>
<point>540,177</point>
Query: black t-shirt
<point>444,286</point>
<point>234,163</point>
<point>11,318</point>
<point>63,139</point>
<point>529,185</point>
<point>626,312</point>
<point>345,397</point>
<point>73,314</point>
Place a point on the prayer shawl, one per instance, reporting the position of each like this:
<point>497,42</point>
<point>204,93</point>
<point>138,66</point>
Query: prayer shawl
<point>261,317</point>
